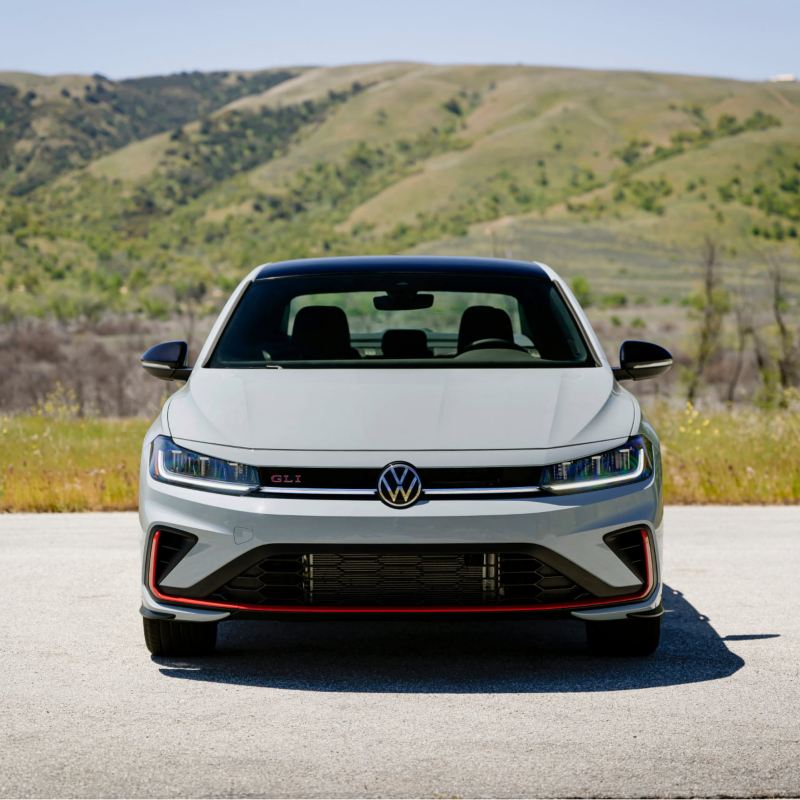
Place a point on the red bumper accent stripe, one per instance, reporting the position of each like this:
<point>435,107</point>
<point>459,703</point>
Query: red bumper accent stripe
<point>575,604</point>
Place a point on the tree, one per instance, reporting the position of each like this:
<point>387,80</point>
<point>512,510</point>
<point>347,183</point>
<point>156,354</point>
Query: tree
<point>454,107</point>
<point>712,302</point>
<point>190,291</point>
<point>788,357</point>
<point>743,319</point>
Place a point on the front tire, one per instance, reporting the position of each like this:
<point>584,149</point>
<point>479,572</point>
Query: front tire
<point>624,637</point>
<point>170,638</point>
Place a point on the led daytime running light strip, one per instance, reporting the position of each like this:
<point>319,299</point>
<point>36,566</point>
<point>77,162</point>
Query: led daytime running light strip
<point>571,486</point>
<point>201,483</point>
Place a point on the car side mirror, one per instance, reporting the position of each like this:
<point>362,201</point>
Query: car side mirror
<point>640,360</point>
<point>168,361</point>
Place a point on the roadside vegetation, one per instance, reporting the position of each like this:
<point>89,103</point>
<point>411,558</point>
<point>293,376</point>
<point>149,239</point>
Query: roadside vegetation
<point>88,116</point>
<point>50,461</point>
<point>144,191</point>
<point>62,464</point>
<point>130,209</point>
<point>742,456</point>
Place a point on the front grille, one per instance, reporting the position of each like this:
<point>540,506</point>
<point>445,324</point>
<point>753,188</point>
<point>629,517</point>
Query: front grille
<point>400,579</point>
<point>466,478</point>
<point>524,579</point>
<point>394,578</point>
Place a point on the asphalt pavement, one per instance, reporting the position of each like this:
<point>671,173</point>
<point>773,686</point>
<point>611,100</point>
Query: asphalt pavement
<point>399,708</point>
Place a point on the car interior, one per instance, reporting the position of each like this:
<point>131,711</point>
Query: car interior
<point>453,322</point>
<point>323,332</point>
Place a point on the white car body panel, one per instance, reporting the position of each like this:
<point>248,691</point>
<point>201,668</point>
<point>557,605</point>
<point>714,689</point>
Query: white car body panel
<point>400,410</point>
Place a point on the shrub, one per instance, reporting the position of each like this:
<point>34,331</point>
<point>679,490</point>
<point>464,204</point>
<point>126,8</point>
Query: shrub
<point>582,291</point>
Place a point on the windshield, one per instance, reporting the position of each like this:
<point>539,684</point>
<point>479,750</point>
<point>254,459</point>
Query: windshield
<point>401,320</point>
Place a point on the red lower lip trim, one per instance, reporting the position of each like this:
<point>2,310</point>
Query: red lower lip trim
<point>211,604</point>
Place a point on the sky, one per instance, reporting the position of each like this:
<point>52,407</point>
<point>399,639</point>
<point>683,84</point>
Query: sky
<point>118,38</point>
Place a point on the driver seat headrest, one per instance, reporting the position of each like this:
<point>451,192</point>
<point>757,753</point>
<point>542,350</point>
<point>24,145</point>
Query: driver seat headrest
<point>322,332</point>
<point>483,322</point>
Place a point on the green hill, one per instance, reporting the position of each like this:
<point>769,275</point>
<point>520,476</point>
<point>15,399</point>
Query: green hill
<point>53,124</point>
<point>142,194</point>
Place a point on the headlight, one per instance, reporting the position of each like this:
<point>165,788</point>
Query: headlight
<point>625,464</point>
<point>174,464</point>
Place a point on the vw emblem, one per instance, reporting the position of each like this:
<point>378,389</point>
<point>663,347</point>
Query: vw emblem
<point>399,485</point>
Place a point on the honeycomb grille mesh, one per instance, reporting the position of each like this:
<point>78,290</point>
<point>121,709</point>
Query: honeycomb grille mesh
<point>395,578</point>
<point>400,579</point>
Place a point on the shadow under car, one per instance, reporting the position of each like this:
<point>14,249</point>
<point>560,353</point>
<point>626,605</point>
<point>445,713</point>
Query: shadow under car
<point>461,656</point>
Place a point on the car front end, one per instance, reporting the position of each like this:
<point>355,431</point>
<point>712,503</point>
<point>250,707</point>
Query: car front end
<point>401,489</point>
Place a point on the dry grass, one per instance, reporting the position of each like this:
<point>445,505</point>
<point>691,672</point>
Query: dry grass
<point>744,456</point>
<point>51,464</point>
<point>739,457</point>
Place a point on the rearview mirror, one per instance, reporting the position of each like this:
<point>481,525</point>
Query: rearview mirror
<point>168,361</point>
<point>640,360</point>
<point>402,301</point>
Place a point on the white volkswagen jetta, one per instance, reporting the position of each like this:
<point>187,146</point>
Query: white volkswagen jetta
<point>401,436</point>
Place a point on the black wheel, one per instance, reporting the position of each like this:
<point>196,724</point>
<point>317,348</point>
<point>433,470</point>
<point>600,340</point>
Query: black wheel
<point>624,637</point>
<point>165,637</point>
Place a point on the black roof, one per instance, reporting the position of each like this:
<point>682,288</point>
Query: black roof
<point>438,264</point>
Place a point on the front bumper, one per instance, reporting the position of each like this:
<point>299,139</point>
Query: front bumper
<point>572,528</point>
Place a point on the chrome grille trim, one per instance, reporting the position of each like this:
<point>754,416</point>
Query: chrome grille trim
<point>454,491</point>
<point>316,491</point>
<point>484,490</point>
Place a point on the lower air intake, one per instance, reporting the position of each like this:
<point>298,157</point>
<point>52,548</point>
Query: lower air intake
<point>400,579</point>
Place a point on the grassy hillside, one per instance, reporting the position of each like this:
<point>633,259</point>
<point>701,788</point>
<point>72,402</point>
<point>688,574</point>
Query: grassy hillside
<point>49,125</point>
<point>155,195</point>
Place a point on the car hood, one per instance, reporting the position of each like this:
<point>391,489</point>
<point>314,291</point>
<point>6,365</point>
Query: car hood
<point>401,410</point>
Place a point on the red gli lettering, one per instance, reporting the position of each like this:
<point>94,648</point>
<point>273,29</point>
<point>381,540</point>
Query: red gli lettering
<point>285,478</point>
